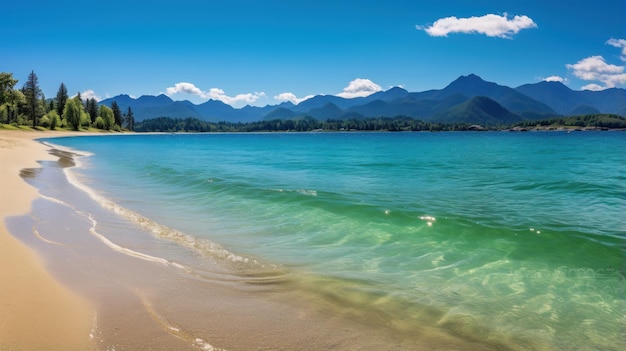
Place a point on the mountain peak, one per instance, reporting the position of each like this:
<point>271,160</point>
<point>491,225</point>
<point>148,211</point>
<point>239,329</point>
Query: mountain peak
<point>397,89</point>
<point>545,83</point>
<point>155,99</point>
<point>471,76</point>
<point>470,85</point>
<point>468,81</point>
<point>393,93</point>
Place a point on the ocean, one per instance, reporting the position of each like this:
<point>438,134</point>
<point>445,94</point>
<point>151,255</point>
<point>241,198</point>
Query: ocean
<point>516,240</point>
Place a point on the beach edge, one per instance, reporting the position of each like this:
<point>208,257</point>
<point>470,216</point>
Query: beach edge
<point>37,311</point>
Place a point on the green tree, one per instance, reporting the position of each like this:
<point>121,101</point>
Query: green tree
<point>9,97</point>
<point>7,82</point>
<point>130,120</point>
<point>117,113</point>
<point>17,99</point>
<point>99,123</point>
<point>44,106</point>
<point>107,115</point>
<point>61,99</point>
<point>32,93</point>
<point>72,113</point>
<point>85,121</point>
<point>79,98</point>
<point>91,107</point>
<point>44,121</point>
<point>54,118</point>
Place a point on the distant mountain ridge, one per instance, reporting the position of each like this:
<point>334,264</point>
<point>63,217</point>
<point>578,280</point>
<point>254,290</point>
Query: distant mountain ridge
<point>468,99</point>
<point>566,101</point>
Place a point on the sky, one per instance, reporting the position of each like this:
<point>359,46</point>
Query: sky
<point>267,52</point>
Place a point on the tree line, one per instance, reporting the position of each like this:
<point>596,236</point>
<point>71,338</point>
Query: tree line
<point>599,120</point>
<point>400,123</point>
<point>305,124</point>
<point>28,106</point>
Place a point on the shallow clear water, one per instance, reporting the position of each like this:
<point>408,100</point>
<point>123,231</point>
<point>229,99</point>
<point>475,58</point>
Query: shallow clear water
<point>513,238</point>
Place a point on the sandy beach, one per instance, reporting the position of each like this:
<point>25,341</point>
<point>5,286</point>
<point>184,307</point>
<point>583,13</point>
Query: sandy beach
<point>36,312</point>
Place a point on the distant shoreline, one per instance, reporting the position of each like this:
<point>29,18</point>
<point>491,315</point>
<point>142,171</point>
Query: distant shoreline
<point>474,128</point>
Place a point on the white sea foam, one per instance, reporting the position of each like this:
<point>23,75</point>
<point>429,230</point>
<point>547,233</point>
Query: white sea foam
<point>203,246</point>
<point>127,251</point>
<point>55,200</point>
<point>307,192</point>
<point>67,149</point>
<point>104,239</point>
<point>40,237</point>
<point>174,330</point>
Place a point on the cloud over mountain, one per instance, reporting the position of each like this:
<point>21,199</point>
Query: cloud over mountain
<point>490,25</point>
<point>213,93</point>
<point>359,88</point>
<point>291,97</point>
<point>595,68</point>
<point>89,94</point>
<point>554,79</point>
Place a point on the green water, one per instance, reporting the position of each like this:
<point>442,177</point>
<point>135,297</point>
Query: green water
<point>517,239</point>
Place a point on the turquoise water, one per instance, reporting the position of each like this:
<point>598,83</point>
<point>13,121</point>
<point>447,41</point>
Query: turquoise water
<point>514,238</point>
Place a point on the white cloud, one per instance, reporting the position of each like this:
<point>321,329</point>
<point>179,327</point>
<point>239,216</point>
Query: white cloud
<point>359,88</point>
<point>595,68</point>
<point>592,67</point>
<point>219,94</point>
<point>619,43</point>
<point>213,93</point>
<point>291,97</point>
<point>554,79</point>
<point>89,94</point>
<point>593,87</point>
<point>185,88</point>
<point>490,25</point>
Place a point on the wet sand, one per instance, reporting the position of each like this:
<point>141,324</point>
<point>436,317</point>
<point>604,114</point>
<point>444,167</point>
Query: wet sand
<point>36,312</point>
<point>122,301</point>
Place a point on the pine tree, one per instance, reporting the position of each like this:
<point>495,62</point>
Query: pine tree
<point>44,106</point>
<point>130,120</point>
<point>117,113</point>
<point>61,99</point>
<point>32,93</point>
<point>91,107</point>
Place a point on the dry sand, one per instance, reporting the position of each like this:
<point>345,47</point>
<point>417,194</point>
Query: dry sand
<point>36,312</point>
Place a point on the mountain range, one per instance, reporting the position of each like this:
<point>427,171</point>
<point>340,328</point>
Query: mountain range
<point>468,99</point>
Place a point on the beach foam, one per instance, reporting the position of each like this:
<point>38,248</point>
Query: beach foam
<point>204,246</point>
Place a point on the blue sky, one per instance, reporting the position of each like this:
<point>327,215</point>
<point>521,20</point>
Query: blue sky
<point>266,52</point>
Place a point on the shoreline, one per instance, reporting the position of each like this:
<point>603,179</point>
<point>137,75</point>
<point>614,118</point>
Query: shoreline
<point>37,311</point>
